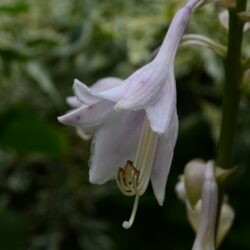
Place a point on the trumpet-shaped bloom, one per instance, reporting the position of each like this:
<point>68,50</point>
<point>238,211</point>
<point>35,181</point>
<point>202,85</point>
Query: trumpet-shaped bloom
<point>135,121</point>
<point>124,145</point>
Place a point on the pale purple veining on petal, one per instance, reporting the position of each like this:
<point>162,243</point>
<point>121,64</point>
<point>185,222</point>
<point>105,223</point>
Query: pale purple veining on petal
<point>160,114</point>
<point>146,84</point>
<point>163,160</point>
<point>172,39</point>
<point>87,115</point>
<point>115,142</point>
<point>144,87</point>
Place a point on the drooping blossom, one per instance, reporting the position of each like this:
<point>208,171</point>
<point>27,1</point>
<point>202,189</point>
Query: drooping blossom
<point>135,121</point>
<point>124,145</point>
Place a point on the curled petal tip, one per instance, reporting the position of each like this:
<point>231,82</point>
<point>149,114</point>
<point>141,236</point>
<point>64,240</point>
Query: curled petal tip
<point>160,199</point>
<point>60,119</point>
<point>76,81</point>
<point>160,203</point>
<point>77,85</point>
<point>93,178</point>
<point>64,119</point>
<point>157,129</point>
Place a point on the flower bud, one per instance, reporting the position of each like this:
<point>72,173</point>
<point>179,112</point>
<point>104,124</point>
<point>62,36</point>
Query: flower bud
<point>193,179</point>
<point>205,236</point>
<point>195,187</point>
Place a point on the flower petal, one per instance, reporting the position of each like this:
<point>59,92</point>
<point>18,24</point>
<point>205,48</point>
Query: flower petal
<point>113,94</point>
<point>160,114</point>
<point>87,115</point>
<point>115,142</point>
<point>144,87</point>
<point>167,51</point>
<point>73,102</point>
<point>88,95</point>
<point>105,84</point>
<point>83,93</point>
<point>163,160</point>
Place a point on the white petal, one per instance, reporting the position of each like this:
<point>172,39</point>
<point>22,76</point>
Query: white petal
<point>144,87</point>
<point>73,102</point>
<point>115,142</point>
<point>105,84</point>
<point>105,88</point>
<point>113,94</point>
<point>83,93</point>
<point>163,160</point>
<point>160,114</point>
<point>87,115</point>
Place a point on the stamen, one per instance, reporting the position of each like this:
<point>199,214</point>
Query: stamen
<point>129,223</point>
<point>133,179</point>
<point>127,179</point>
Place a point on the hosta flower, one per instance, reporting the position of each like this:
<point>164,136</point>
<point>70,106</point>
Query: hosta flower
<point>124,146</point>
<point>135,121</point>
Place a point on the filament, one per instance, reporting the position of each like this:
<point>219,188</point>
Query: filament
<point>129,223</point>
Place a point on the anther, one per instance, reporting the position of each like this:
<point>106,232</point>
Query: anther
<point>127,179</point>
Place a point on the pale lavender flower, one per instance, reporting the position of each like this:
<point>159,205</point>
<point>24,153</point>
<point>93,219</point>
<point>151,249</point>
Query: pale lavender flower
<point>135,144</point>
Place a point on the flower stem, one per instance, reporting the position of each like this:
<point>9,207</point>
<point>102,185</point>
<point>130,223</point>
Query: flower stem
<point>231,95</point>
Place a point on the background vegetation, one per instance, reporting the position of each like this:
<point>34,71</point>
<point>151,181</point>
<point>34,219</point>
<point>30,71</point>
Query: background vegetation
<point>46,202</point>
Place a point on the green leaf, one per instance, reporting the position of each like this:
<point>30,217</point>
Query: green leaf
<point>25,133</point>
<point>13,54</point>
<point>13,231</point>
<point>14,8</point>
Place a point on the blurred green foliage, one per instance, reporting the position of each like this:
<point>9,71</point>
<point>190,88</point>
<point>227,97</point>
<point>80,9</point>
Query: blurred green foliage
<point>46,202</point>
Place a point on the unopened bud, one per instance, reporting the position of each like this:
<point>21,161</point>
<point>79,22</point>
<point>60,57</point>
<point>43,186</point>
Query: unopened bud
<point>193,180</point>
<point>206,231</point>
